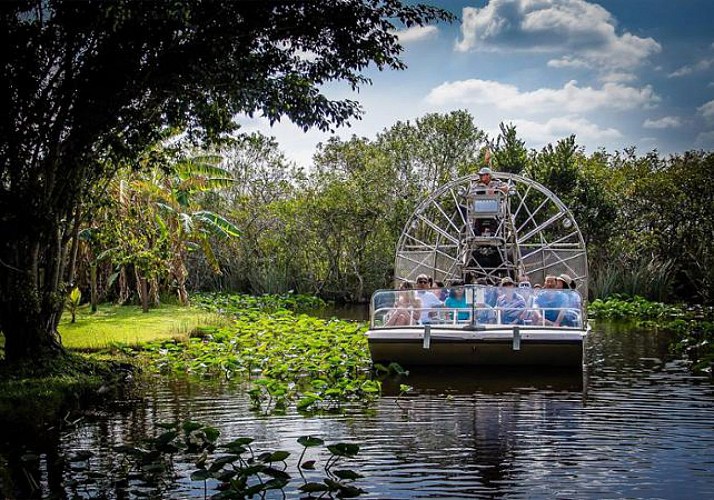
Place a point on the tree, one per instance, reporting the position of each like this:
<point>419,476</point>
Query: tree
<point>510,153</point>
<point>434,150</point>
<point>87,82</point>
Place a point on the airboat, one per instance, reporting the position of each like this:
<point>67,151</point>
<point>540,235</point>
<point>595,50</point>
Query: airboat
<point>473,238</point>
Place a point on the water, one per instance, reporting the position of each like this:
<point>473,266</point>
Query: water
<point>636,425</point>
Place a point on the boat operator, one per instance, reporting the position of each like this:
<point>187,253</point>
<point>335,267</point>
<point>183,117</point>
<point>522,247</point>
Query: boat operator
<point>485,179</point>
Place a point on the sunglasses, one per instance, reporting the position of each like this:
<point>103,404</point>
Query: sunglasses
<point>421,282</point>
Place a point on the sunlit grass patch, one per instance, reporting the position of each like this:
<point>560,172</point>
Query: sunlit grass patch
<point>128,325</point>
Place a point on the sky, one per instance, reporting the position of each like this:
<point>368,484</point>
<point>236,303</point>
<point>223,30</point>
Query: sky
<point>616,73</point>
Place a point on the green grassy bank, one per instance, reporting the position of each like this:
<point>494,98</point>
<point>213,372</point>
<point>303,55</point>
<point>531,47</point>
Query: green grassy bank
<point>86,372</point>
<point>127,325</point>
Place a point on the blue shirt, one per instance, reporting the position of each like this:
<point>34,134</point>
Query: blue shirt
<point>454,303</point>
<point>512,305</point>
<point>552,301</point>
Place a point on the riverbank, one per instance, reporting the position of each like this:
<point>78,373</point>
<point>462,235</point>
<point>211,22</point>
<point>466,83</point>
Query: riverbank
<point>267,340</point>
<point>89,371</point>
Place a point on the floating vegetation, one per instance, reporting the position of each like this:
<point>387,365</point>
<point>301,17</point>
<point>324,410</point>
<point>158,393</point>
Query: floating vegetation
<point>692,324</point>
<point>238,304</point>
<point>638,308</point>
<point>230,470</point>
<point>286,357</point>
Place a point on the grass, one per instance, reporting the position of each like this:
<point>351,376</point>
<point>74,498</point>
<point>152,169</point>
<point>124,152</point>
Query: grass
<point>77,377</point>
<point>126,325</point>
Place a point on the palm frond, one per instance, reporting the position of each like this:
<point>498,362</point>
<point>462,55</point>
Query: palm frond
<point>218,225</point>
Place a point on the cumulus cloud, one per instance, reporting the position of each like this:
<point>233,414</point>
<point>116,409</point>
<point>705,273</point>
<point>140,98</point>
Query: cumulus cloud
<point>702,65</point>
<point>569,99</point>
<point>585,33</point>
<point>542,133</point>
<point>707,110</point>
<point>416,33</point>
<point>664,122</point>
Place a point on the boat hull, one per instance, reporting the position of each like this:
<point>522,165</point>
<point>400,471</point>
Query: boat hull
<point>500,346</point>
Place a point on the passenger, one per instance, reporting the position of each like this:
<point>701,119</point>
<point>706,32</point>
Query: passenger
<point>428,300</point>
<point>485,179</point>
<point>572,314</point>
<point>484,314</point>
<point>406,307</point>
<point>552,301</point>
<point>440,291</point>
<point>524,288</point>
<point>510,303</point>
<point>457,300</point>
<point>490,292</point>
<point>563,281</point>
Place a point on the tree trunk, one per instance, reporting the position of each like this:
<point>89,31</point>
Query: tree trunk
<point>180,274</point>
<point>93,295</point>
<point>29,316</point>
<point>154,296</point>
<point>142,285</point>
<point>124,292</point>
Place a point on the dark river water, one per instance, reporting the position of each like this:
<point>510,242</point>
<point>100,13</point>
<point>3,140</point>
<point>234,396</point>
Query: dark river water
<point>637,424</point>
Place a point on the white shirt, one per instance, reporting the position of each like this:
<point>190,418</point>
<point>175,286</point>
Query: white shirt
<point>428,301</point>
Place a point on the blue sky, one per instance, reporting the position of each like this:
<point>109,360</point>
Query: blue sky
<point>616,73</point>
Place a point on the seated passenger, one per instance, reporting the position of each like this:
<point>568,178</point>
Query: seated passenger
<point>511,304</point>
<point>457,300</point>
<point>574,302</point>
<point>406,307</point>
<point>429,302</point>
<point>484,314</point>
<point>552,302</point>
<point>490,292</point>
<point>524,289</point>
<point>439,290</point>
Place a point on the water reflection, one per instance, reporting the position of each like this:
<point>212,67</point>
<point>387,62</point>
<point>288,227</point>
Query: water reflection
<point>492,380</point>
<point>637,424</point>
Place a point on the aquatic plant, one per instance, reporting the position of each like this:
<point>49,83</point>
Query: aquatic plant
<point>692,325</point>
<point>284,356</point>
<point>237,304</point>
<point>619,306</point>
<point>229,470</point>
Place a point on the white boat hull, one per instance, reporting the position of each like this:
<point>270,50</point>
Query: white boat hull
<point>492,345</point>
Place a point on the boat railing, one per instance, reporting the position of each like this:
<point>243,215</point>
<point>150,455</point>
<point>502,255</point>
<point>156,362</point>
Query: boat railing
<point>399,308</point>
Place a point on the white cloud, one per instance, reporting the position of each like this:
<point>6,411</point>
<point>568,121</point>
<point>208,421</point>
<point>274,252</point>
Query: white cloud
<point>569,99</point>
<point>584,31</point>
<point>664,122</point>
<point>702,65</point>
<point>705,140</point>
<point>618,76</point>
<point>707,110</point>
<point>538,134</point>
<point>416,33</point>
<point>568,62</point>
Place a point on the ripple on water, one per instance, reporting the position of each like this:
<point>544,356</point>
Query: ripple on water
<point>637,426</point>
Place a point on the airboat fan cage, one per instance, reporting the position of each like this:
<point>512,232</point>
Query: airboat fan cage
<point>463,231</point>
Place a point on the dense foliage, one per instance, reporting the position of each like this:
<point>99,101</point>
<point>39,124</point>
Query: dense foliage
<point>333,231</point>
<point>87,87</point>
